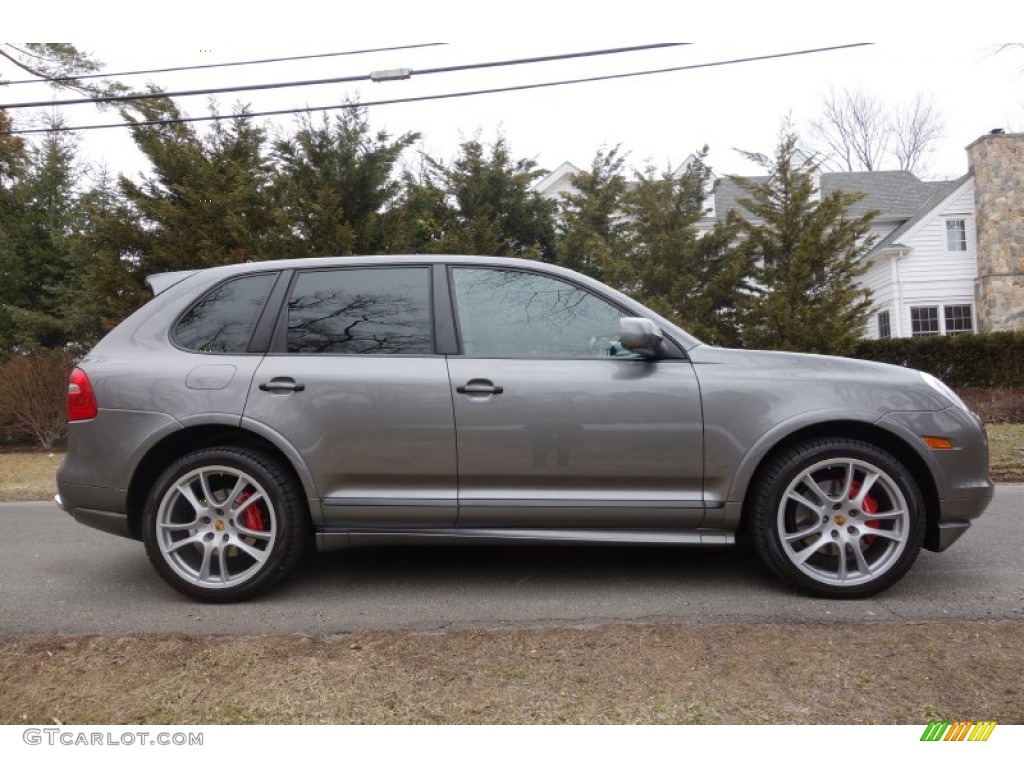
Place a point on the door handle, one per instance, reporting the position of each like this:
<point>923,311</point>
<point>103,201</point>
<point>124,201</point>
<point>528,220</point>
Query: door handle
<point>282,384</point>
<point>479,387</point>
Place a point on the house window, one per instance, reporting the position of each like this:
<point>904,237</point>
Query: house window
<point>958,319</point>
<point>884,329</point>
<point>956,235</point>
<point>924,321</point>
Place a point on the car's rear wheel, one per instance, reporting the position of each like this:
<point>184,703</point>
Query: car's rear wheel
<point>837,517</point>
<point>224,524</point>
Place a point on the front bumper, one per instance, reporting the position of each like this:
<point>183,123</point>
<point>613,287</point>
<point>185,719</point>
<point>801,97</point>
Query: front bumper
<point>955,517</point>
<point>962,484</point>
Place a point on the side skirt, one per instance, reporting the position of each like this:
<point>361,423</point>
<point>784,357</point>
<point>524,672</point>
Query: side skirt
<point>331,540</point>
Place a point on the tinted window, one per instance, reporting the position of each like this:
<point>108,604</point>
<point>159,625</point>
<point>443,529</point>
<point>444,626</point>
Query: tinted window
<point>506,313</point>
<point>223,320</point>
<point>361,312</point>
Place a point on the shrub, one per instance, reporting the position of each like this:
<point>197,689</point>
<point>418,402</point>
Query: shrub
<point>968,360</point>
<point>33,392</point>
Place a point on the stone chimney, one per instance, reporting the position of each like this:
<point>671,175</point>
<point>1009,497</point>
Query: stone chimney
<point>997,162</point>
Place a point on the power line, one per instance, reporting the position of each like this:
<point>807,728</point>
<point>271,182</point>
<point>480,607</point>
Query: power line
<point>332,80</point>
<point>214,66</point>
<point>434,97</point>
<point>23,52</point>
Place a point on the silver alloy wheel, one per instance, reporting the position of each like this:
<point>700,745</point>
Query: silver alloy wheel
<point>216,526</point>
<point>843,522</point>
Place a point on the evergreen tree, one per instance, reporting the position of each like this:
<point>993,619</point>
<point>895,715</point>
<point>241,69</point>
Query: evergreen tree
<point>12,151</point>
<point>207,200</point>
<point>424,214</point>
<point>61,64</point>
<point>677,262</point>
<point>592,228</point>
<point>41,253</point>
<point>483,203</point>
<point>808,253</point>
<point>116,236</point>
<point>335,187</point>
<point>205,203</point>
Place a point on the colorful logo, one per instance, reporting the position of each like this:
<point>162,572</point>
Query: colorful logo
<point>958,730</point>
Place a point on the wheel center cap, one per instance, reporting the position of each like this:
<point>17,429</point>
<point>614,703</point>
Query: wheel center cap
<point>840,520</point>
<point>218,524</point>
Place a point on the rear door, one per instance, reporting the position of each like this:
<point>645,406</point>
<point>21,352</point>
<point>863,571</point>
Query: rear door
<point>556,424</point>
<point>353,383</point>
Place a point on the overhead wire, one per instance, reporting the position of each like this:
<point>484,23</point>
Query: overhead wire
<point>245,63</point>
<point>433,97</point>
<point>332,80</point>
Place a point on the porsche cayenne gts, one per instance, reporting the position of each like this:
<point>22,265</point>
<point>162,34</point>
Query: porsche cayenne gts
<point>250,410</point>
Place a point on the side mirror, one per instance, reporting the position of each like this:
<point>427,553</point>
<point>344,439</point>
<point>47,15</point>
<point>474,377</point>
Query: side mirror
<point>640,335</point>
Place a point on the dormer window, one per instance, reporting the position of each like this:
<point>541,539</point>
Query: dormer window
<point>956,234</point>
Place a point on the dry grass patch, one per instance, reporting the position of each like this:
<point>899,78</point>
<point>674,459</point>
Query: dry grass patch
<point>1006,451</point>
<point>28,476</point>
<point>874,673</point>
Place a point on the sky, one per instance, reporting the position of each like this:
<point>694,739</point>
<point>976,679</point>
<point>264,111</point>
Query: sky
<point>659,119</point>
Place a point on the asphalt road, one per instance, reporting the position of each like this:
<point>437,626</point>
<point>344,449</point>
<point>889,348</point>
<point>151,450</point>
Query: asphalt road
<point>57,576</point>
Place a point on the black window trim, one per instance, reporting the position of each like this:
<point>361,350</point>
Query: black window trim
<point>672,348</point>
<point>888,324</point>
<point>276,273</point>
<point>938,320</point>
<point>946,320</point>
<point>263,335</point>
<point>446,335</point>
<point>279,343</point>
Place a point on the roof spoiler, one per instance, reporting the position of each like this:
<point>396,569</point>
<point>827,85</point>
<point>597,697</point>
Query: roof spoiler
<point>162,281</point>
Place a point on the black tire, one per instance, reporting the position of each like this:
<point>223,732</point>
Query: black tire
<point>225,524</point>
<point>816,525</point>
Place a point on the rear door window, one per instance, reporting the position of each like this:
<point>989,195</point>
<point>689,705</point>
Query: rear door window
<point>374,311</point>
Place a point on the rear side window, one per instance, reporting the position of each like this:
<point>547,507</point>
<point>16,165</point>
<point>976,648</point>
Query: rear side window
<point>378,311</point>
<point>223,320</point>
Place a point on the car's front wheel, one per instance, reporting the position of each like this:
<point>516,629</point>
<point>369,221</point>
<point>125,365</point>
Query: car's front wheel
<point>224,524</point>
<point>837,517</point>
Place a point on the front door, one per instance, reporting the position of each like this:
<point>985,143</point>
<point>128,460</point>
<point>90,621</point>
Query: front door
<point>556,424</point>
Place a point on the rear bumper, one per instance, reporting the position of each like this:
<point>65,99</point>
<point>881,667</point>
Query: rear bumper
<point>100,519</point>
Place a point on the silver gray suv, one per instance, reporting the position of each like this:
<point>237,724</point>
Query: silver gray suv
<point>249,410</point>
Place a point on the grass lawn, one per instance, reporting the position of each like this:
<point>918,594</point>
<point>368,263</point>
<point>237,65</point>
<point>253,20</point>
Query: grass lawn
<point>1006,452</point>
<point>28,476</point>
<point>884,672</point>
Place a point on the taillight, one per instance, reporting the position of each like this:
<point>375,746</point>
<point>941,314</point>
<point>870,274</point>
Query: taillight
<point>81,400</point>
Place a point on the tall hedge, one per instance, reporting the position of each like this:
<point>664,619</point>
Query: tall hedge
<point>966,360</point>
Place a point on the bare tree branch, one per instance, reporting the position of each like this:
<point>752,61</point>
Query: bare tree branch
<point>858,132</point>
<point>916,129</point>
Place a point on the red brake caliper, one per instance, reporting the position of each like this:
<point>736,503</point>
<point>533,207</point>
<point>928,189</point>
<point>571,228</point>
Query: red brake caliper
<point>253,515</point>
<point>870,506</point>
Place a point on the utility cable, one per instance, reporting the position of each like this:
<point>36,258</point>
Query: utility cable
<point>433,97</point>
<point>329,80</point>
<point>212,66</point>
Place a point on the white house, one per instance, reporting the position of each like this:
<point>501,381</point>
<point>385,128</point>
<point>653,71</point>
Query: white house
<point>922,265</point>
<point>921,274</point>
<point>948,256</point>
